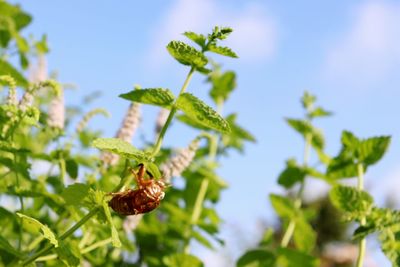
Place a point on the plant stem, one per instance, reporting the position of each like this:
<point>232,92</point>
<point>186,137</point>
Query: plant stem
<point>69,232</point>
<point>298,201</point>
<point>83,251</point>
<point>198,205</point>
<point>62,170</point>
<point>160,138</point>
<point>363,242</point>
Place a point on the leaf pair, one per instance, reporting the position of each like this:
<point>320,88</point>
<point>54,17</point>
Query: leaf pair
<point>357,151</point>
<point>193,107</point>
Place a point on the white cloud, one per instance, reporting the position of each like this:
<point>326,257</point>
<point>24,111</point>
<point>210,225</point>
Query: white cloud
<point>254,37</point>
<point>370,49</point>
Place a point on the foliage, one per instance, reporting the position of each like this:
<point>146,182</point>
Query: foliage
<point>43,210</point>
<point>60,214</point>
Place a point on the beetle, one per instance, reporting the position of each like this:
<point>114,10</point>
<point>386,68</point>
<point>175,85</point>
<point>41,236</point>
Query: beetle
<point>144,199</point>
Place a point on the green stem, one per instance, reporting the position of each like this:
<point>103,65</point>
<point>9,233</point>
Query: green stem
<point>287,236</point>
<point>160,138</point>
<point>198,205</point>
<point>83,251</point>
<point>363,242</point>
<point>63,170</point>
<point>91,213</point>
<point>69,232</point>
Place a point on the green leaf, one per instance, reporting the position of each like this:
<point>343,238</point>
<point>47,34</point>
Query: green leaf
<point>219,33</point>
<point>199,39</point>
<point>292,174</point>
<point>283,206</point>
<point>355,150</point>
<point>221,50</point>
<point>304,235</point>
<point>351,200</point>
<point>202,113</point>
<point>72,168</point>
<point>153,96</point>
<point>390,244</point>
<point>153,169</point>
<point>188,121</point>
<point>305,128</point>
<point>69,253</point>
<point>186,54</point>
<point>181,260</point>
<point>202,240</point>
<point>238,134</point>
<point>257,258</point>
<point>222,85</point>
<point>294,258</point>
<point>36,226</point>
<point>114,233</point>
<point>8,69</point>
<point>372,149</point>
<point>121,148</point>
<point>339,168</point>
<point>319,112</point>
<point>5,245</point>
<point>75,193</point>
<point>308,100</point>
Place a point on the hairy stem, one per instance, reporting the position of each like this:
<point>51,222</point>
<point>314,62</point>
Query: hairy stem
<point>363,242</point>
<point>160,138</point>
<point>287,236</point>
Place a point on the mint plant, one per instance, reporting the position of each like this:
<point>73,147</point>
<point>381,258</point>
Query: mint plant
<point>61,213</point>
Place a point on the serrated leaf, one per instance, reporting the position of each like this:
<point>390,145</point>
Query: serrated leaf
<point>257,258</point>
<point>372,149</point>
<point>305,128</point>
<point>121,148</point>
<point>283,206</point>
<point>114,233</point>
<point>293,258</point>
<point>292,174</point>
<point>202,113</point>
<point>35,225</point>
<point>222,85</point>
<point>154,96</point>
<point>351,200</point>
<point>187,120</point>
<point>221,50</point>
<point>186,54</point>
<point>199,39</point>
<point>219,33</point>
<point>180,259</point>
<point>339,168</point>
<point>72,168</point>
<point>75,193</point>
<point>7,69</point>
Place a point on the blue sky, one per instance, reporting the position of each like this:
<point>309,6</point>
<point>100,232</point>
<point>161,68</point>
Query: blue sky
<point>345,52</point>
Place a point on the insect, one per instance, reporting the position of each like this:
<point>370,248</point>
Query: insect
<point>144,199</point>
